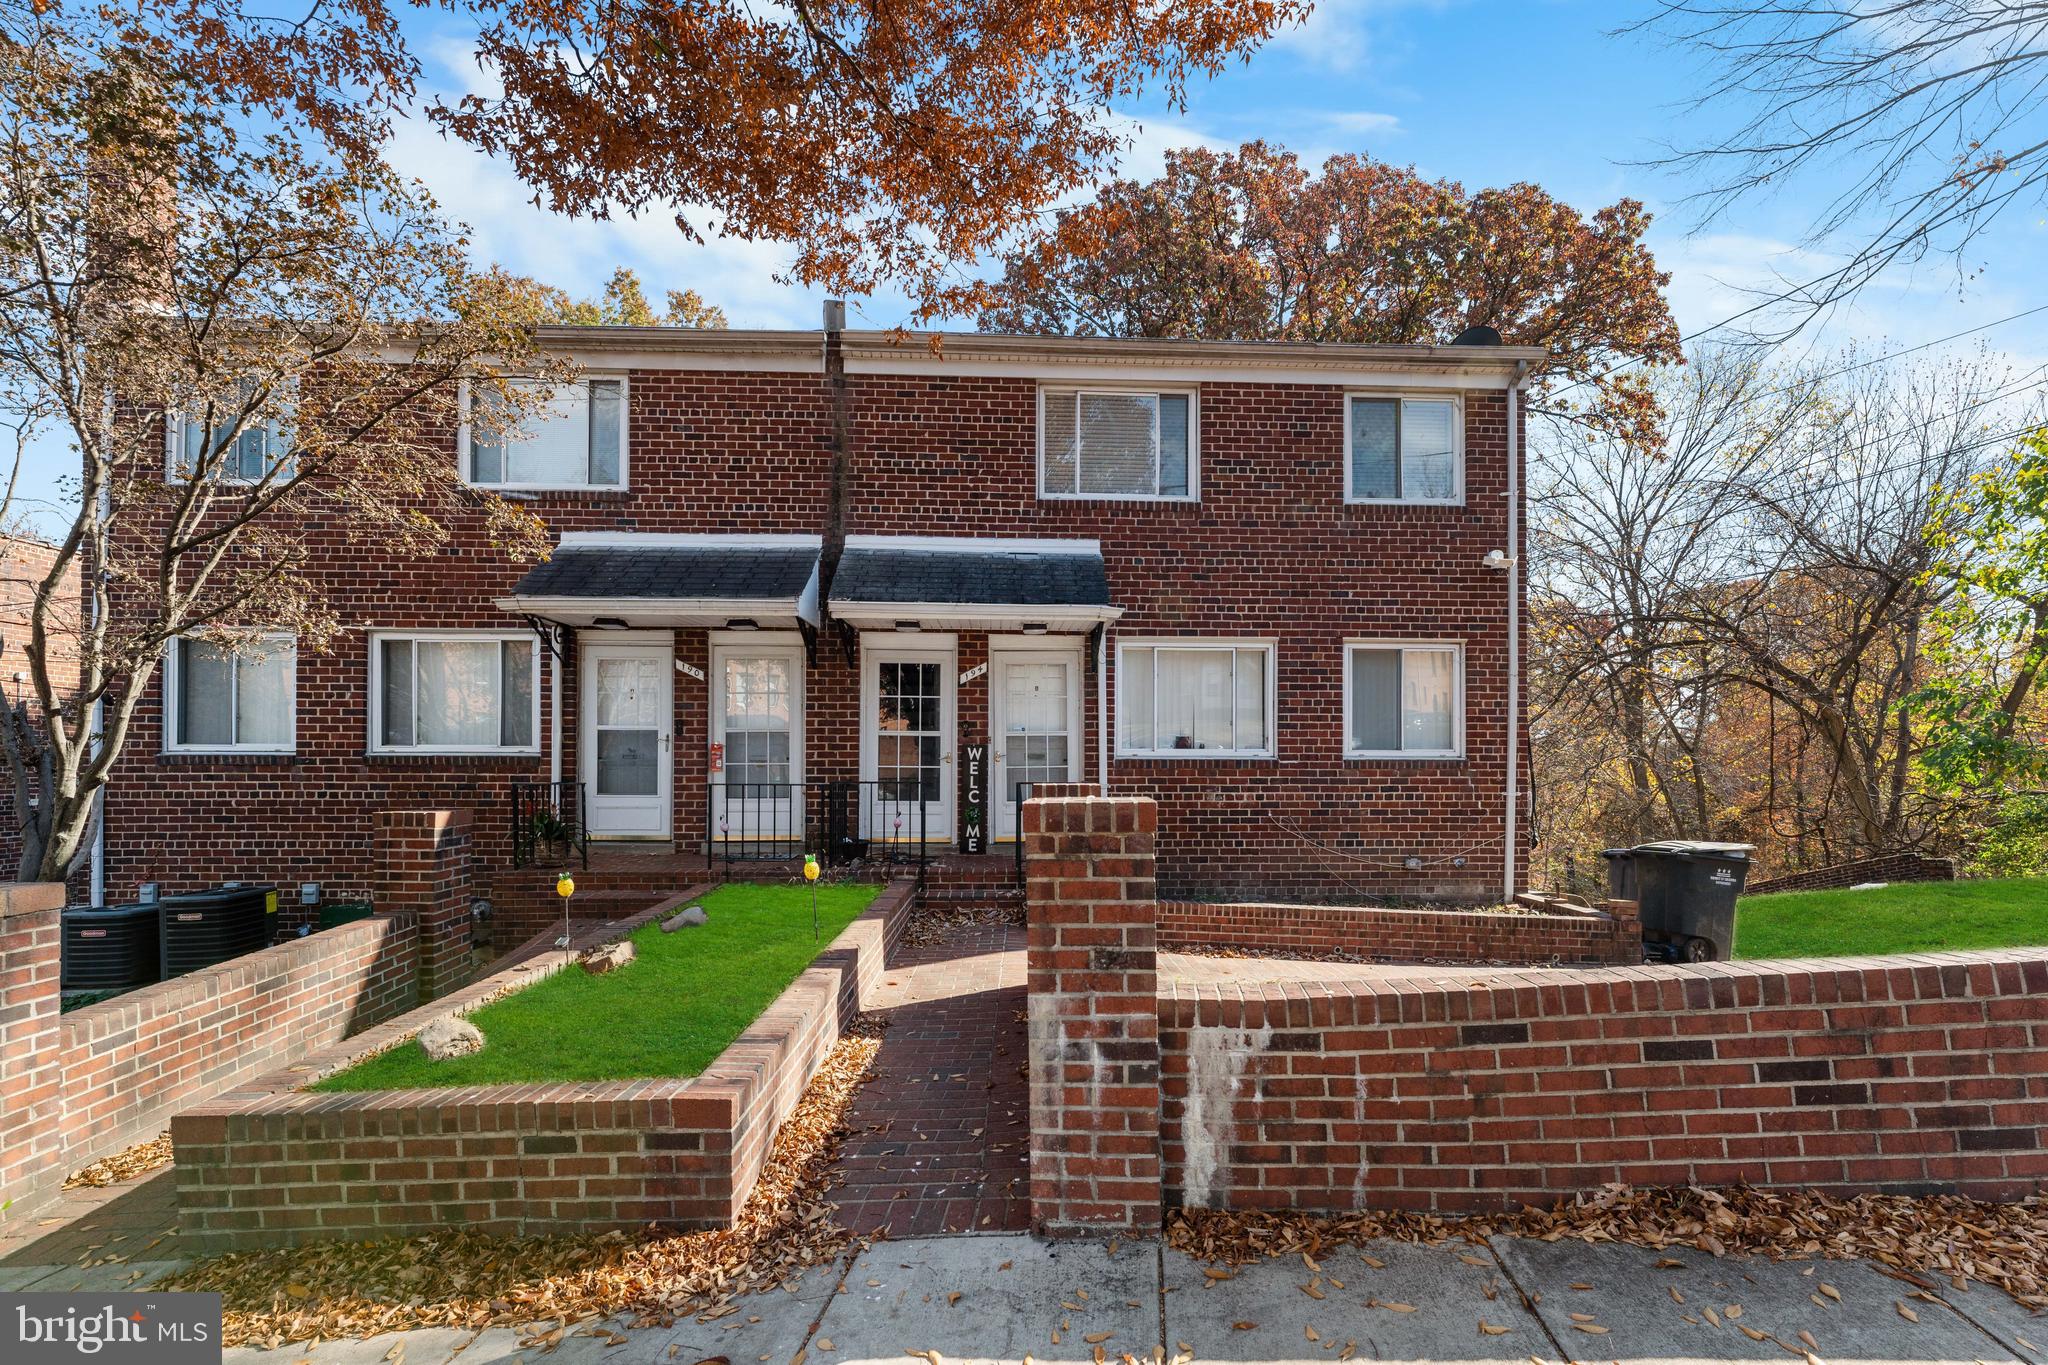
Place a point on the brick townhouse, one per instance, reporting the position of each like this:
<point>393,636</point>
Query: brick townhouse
<point>1272,585</point>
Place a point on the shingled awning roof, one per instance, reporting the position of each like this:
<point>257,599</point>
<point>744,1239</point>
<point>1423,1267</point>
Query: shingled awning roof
<point>673,581</point>
<point>884,582</point>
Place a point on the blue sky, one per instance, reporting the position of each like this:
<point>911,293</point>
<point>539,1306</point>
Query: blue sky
<point>1486,92</point>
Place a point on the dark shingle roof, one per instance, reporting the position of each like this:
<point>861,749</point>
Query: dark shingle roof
<point>673,572</point>
<point>995,577</point>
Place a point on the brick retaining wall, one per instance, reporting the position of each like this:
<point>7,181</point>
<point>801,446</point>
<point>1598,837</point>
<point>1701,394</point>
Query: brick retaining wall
<point>1892,867</point>
<point>1908,1074</point>
<point>270,1164</point>
<point>83,1085</point>
<point>1404,935</point>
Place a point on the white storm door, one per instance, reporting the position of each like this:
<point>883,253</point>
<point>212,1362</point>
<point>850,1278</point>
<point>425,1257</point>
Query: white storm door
<point>1034,704</point>
<point>906,741</point>
<point>757,708</point>
<point>628,705</point>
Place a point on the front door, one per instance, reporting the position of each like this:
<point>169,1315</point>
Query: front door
<point>628,709</point>
<point>757,744</point>
<point>906,740</point>
<point>1034,719</point>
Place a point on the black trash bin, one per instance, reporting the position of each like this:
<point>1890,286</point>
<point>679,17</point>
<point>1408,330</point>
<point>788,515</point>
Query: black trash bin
<point>1686,889</point>
<point>1621,873</point>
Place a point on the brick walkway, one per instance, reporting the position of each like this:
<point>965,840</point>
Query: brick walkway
<point>134,1220</point>
<point>940,1139</point>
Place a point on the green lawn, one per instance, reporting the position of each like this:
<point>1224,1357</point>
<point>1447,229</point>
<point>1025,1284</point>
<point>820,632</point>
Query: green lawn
<point>1905,918</point>
<point>668,1013</point>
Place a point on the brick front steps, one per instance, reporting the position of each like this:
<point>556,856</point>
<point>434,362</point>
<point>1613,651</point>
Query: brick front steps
<point>271,1164</point>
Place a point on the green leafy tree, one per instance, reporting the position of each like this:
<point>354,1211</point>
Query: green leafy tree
<point>1983,707</point>
<point>624,304</point>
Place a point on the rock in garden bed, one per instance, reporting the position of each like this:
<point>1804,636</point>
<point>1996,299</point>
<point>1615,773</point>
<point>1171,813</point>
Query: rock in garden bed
<point>447,1038</point>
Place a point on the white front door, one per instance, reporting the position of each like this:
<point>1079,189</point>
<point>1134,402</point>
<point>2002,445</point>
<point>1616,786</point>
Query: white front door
<point>1034,721</point>
<point>757,740</point>
<point>627,700</point>
<point>906,738</point>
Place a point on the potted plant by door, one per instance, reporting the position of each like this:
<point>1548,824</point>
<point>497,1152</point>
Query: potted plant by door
<point>552,837</point>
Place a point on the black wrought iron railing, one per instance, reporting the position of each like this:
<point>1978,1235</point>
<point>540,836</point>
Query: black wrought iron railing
<point>841,820</point>
<point>549,824</point>
<point>1020,792</point>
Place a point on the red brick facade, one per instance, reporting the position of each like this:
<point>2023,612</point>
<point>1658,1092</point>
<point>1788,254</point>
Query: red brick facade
<point>1091,973</point>
<point>76,1087</point>
<point>1270,551</point>
<point>271,1164</point>
<point>1908,1074</point>
<point>1408,935</point>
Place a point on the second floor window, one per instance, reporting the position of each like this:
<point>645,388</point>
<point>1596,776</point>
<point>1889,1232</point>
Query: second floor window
<point>219,699</point>
<point>1102,443</point>
<point>1404,450</point>
<point>246,455</point>
<point>576,439</point>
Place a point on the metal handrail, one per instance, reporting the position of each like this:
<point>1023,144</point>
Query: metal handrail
<point>1020,792</point>
<point>839,819</point>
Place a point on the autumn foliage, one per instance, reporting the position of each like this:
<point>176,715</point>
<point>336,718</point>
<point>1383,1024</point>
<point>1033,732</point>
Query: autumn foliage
<point>1252,245</point>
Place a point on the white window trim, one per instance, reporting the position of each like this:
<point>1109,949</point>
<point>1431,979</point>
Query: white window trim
<point>1457,749</point>
<point>621,377</point>
<point>375,707</point>
<point>1457,402</point>
<point>174,451</point>
<point>1194,397</point>
<point>173,697</point>
<point>1272,649</point>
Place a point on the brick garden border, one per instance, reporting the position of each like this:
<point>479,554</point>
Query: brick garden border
<point>271,1164</point>
<point>1404,935</point>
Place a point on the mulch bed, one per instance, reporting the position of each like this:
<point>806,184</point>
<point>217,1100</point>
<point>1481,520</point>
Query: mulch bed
<point>548,1285</point>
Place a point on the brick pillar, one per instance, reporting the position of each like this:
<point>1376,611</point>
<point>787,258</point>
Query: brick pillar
<point>31,1109</point>
<point>423,859</point>
<point>1092,977</point>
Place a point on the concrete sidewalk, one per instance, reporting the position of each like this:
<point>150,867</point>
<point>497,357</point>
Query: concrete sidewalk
<point>1005,1297</point>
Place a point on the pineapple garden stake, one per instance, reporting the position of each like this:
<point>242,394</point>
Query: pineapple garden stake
<point>565,887</point>
<point>811,876</point>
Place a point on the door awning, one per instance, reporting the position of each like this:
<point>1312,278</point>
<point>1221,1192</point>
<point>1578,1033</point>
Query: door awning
<point>673,581</point>
<point>940,583</point>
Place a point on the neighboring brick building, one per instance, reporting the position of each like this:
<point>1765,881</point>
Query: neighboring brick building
<point>24,563</point>
<point>1248,580</point>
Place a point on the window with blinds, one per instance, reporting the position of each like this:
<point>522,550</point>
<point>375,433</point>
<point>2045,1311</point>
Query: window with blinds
<point>1404,450</point>
<point>1403,701</point>
<point>1194,698</point>
<point>1102,443</point>
<point>576,438</point>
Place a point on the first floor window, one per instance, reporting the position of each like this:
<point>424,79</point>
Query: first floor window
<point>1403,700</point>
<point>236,695</point>
<point>1179,699</point>
<point>1403,450</point>
<point>455,694</point>
<point>1098,443</point>
<point>574,439</point>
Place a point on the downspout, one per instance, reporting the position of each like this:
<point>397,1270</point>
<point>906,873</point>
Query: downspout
<point>557,644</point>
<point>832,544</point>
<point>98,891</point>
<point>1514,548</point>
<point>1102,706</point>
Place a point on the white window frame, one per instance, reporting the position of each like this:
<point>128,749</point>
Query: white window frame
<point>620,377</point>
<point>1194,396</point>
<point>1405,396</point>
<point>1272,652</point>
<point>1457,749</point>
<point>173,698</point>
<point>174,450</point>
<point>374,708</point>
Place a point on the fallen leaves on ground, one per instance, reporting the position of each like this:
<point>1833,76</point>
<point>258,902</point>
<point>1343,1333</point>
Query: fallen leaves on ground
<point>933,925</point>
<point>473,1280</point>
<point>126,1164</point>
<point>2005,1245</point>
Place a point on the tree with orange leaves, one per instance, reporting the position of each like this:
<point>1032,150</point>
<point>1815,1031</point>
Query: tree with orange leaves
<point>1251,245</point>
<point>887,140</point>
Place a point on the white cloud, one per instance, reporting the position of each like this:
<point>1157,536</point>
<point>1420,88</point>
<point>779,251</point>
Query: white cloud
<point>1358,121</point>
